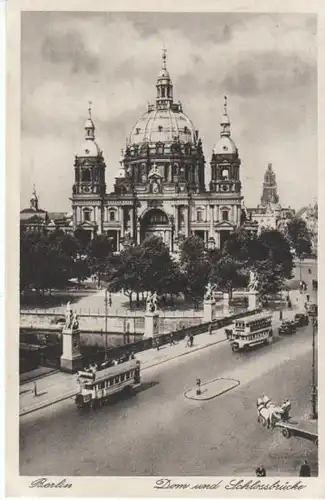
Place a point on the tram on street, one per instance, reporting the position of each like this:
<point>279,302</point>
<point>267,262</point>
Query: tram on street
<point>98,384</point>
<point>251,331</point>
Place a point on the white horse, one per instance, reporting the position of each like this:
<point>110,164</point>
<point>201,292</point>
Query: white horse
<point>263,413</point>
<point>269,413</point>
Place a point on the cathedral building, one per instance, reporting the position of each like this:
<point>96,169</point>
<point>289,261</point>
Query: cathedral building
<point>160,185</point>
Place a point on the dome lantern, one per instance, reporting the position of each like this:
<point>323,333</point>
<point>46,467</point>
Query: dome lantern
<point>89,126</point>
<point>225,145</point>
<point>164,86</point>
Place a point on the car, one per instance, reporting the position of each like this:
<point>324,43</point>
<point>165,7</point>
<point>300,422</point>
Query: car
<point>301,319</point>
<point>287,327</point>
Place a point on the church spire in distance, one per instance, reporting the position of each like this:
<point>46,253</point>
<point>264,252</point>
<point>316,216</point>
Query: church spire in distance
<point>225,122</point>
<point>164,85</point>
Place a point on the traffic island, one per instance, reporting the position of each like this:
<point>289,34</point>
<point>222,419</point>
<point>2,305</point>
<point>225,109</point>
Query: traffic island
<point>211,389</point>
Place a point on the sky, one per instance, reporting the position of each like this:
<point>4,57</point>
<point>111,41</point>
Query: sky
<point>265,64</point>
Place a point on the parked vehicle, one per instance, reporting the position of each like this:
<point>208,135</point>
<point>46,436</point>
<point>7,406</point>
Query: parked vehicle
<point>312,309</point>
<point>301,319</point>
<point>287,327</point>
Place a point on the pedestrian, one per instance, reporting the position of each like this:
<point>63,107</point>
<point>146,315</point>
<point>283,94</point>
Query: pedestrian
<point>187,340</point>
<point>289,304</point>
<point>260,471</point>
<point>191,339</point>
<point>35,389</point>
<point>171,339</point>
<point>305,470</point>
<point>210,329</point>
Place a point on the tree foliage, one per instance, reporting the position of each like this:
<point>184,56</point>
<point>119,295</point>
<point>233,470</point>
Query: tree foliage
<point>299,237</point>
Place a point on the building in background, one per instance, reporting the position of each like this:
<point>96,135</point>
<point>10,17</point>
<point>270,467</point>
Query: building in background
<point>160,185</point>
<point>269,214</point>
<point>36,219</point>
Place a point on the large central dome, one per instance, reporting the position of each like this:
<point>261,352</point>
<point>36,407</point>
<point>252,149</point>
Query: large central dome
<point>164,121</point>
<point>163,125</point>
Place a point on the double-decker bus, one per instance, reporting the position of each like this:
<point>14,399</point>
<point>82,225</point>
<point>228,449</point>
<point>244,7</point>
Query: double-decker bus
<point>97,385</point>
<point>251,331</point>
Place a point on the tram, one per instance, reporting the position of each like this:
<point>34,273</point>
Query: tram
<point>251,331</point>
<point>97,385</point>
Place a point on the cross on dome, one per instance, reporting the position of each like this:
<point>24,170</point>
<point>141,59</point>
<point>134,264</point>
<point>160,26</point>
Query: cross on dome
<point>164,57</point>
<point>225,105</point>
<point>225,122</point>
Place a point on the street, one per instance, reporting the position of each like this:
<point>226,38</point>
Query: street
<point>160,432</point>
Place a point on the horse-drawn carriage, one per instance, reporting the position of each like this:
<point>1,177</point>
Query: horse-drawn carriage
<point>269,413</point>
<point>273,416</point>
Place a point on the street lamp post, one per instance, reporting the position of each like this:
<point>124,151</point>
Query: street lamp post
<point>106,304</point>
<point>314,385</point>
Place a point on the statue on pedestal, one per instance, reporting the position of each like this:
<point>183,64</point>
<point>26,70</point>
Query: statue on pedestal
<point>75,322</point>
<point>152,301</point>
<point>68,316</point>
<point>209,291</point>
<point>253,282</point>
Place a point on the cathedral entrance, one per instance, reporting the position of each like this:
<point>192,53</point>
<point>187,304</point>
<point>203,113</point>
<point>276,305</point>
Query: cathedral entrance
<point>156,223</point>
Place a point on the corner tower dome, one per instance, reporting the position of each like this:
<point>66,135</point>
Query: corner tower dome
<point>163,121</point>
<point>225,145</point>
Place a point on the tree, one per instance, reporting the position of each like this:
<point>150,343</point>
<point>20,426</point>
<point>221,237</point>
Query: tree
<point>127,274</point>
<point>227,274</point>
<point>195,266</point>
<point>275,248</point>
<point>157,265</point>
<point>99,251</point>
<point>43,263</point>
<point>299,237</point>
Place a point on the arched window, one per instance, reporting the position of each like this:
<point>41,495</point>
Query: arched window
<point>159,148</point>
<point>85,176</point>
<point>87,212</point>
<point>199,215</point>
<point>112,214</point>
<point>225,214</point>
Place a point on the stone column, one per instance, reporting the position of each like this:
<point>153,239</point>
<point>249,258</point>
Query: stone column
<point>176,220</point>
<point>74,218</point>
<point>218,213</point>
<point>118,243</point>
<point>211,235</point>
<point>99,220</point>
<point>209,310</point>
<point>186,221</point>
<point>132,222</point>
<point>71,359</point>
<point>151,324</point>
<point>138,234</point>
<point>122,221</point>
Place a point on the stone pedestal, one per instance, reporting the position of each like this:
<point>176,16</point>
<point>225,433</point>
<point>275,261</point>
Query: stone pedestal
<point>252,300</point>
<point>225,300</point>
<point>71,359</point>
<point>151,324</point>
<point>209,310</point>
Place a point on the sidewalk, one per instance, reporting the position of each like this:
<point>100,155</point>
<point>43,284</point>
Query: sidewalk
<point>60,386</point>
